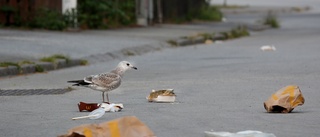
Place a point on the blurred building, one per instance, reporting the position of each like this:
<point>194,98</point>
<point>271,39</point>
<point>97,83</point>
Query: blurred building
<point>13,11</point>
<point>147,11</point>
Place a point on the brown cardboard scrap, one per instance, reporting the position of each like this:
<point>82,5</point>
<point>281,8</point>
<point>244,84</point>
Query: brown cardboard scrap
<point>87,106</point>
<point>129,126</point>
<point>284,100</point>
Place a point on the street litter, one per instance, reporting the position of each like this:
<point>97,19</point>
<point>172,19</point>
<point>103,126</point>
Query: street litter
<point>268,48</point>
<point>164,96</point>
<point>224,19</point>
<point>218,42</point>
<point>93,115</point>
<point>106,106</point>
<point>129,126</point>
<point>246,133</point>
<point>87,106</point>
<point>208,41</point>
<point>284,100</point>
<point>97,110</point>
<point>111,107</point>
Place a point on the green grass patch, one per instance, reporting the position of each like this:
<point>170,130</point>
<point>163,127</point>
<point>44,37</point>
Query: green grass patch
<point>54,58</point>
<point>48,59</point>
<point>271,20</point>
<point>39,68</point>
<point>128,53</point>
<point>207,36</point>
<point>210,13</point>
<point>84,62</point>
<point>203,13</point>
<point>7,64</point>
<point>237,32</point>
<point>25,62</point>
<point>48,19</point>
<point>173,43</point>
<point>300,9</point>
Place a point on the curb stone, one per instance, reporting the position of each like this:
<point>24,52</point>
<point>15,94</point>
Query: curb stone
<point>199,40</point>
<point>126,52</point>
<point>38,67</point>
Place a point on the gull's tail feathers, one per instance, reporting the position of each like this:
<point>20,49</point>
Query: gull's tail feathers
<point>79,82</point>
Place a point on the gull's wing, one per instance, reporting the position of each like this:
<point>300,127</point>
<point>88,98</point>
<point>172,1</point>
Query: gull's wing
<point>107,80</point>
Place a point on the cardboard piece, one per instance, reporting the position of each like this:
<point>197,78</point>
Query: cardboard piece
<point>284,100</point>
<point>87,106</point>
<point>129,126</point>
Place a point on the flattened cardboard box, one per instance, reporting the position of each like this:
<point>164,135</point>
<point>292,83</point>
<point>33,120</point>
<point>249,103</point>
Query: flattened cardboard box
<point>129,126</point>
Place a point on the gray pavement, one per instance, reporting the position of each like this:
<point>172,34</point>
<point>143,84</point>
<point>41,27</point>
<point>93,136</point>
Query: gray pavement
<point>219,87</point>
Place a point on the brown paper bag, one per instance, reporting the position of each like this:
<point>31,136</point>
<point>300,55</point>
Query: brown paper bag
<point>129,126</point>
<point>284,100</point>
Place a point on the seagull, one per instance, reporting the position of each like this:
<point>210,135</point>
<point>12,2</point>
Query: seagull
<point>105,82</point>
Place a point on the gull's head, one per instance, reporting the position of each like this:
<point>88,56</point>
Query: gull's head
<point>126,65</point>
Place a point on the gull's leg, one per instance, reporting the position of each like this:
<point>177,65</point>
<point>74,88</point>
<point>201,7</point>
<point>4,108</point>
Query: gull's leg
<point>108,98</point>
<point>103,96</point>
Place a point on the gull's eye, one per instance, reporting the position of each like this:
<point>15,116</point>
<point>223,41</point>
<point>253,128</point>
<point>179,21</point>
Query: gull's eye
<point>128,64</point>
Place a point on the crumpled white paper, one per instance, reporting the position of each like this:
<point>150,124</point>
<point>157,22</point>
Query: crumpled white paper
<point>268,48</point>
<point>111,107</point>
<point>246,133</point>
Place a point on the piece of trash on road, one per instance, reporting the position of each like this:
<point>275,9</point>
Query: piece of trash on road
<point>246,133</point>
<point>87,106</point>
<point>218,42</point>
<point>284,100</point>
<point>208,41</point>
<point>164,96</point>
<point>129,126</point>
<point>268,48</point>
<point>99,111</point>
<point>111,107</point>
<point>108,107</point>
<point>224,19</point>
<point>95,114</point>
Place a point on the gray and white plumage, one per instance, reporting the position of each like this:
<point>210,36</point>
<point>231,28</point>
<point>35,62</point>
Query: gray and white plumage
<point>105,82</point>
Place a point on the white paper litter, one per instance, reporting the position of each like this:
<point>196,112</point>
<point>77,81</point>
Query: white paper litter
<point>246,133</point>
<point>268,48</point>
<point>111,107</point>
<point>168,99</point>
<point>218,42</point>
<point>95,114</point>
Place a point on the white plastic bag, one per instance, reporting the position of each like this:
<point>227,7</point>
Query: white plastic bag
<point>246,133</point>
